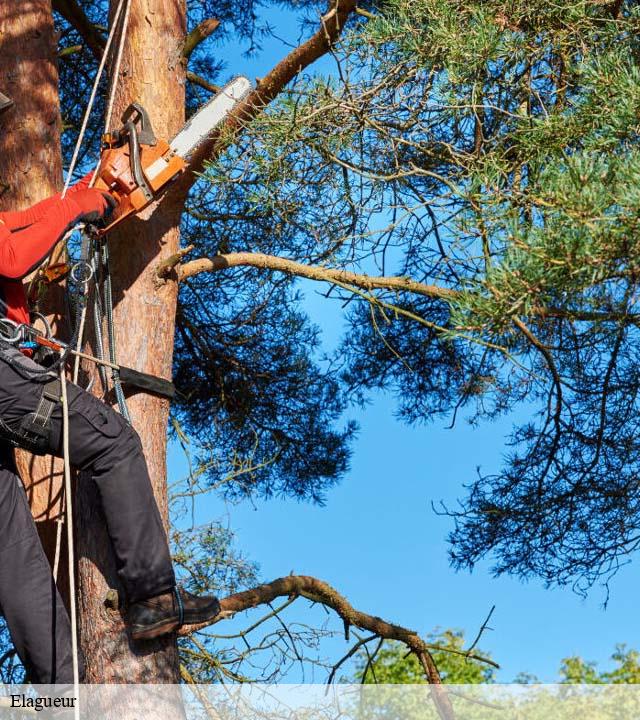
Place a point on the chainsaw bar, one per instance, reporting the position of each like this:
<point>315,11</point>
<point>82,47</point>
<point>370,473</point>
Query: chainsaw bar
<point>209,117</point>
<point>135,165</point>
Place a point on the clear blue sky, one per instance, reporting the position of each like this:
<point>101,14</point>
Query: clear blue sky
<point>379,542</point>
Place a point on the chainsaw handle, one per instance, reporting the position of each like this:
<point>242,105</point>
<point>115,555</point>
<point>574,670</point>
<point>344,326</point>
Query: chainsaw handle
<point>134,113</point>
<point>134,157</point>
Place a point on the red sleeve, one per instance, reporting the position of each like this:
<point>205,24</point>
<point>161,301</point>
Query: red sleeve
<point>22,251</point>
<point>16,220</point>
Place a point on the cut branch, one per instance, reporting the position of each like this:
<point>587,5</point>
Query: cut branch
<point>198,35</point>
<point>272,262</point>
<point>321,592</point>
<point>75,16</point>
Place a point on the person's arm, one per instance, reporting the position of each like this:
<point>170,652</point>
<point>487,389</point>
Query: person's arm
<point>22,251</point>
<point>19,219</point>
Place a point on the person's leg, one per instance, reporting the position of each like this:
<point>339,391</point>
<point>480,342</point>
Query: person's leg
<point>102,443</point>
<point>29,600</point>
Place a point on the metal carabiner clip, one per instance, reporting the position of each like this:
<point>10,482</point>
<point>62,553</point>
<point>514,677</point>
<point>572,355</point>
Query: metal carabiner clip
<point>17,335</point>
<point>48,332</point>
<point>86,269</point>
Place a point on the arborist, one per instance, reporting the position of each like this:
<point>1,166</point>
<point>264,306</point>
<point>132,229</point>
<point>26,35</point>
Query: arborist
<point>100,442</point>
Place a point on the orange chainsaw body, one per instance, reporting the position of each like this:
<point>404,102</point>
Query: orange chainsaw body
<point>159,166</point>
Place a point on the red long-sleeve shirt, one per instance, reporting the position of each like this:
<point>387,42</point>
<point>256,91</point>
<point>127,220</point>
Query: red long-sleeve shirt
<point>26,238</point>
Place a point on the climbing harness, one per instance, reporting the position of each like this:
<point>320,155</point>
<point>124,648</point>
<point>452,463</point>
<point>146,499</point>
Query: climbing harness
<point>29,338</point>
<point>32,432</point>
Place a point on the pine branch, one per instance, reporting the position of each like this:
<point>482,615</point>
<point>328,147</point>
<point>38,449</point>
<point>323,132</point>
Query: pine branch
<point>198,35</point>
<point>172,267</point>
<point>270,86</point>
<point>75,16</point>
<point>291,267</point>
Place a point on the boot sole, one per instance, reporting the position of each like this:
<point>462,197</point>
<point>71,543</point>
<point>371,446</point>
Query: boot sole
<point>150,632</point>
<point>195,618</point>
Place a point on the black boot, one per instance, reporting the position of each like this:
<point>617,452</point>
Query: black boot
<point>165,613</point>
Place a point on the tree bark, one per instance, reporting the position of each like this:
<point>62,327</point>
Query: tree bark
<point>153,74</point>
<point>31,171</point>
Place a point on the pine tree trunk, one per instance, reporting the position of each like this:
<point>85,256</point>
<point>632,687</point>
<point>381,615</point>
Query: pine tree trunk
<point>31,169</point>
<point>153,75</point>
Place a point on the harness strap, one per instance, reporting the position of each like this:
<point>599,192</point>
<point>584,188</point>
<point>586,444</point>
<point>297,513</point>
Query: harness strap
<point>51,394</point>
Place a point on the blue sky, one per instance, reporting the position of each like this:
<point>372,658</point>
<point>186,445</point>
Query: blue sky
<point>378,541</point>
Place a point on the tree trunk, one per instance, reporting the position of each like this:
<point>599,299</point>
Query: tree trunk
<point>153,75</point>
<point>31,171</point>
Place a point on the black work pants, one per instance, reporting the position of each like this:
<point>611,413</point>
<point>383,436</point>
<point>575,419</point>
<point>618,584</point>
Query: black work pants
<point>102,443</point>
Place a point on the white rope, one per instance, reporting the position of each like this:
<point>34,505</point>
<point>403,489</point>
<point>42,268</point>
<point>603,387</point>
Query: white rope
<point>107,123</point>
<point>67,498</point>
<point>83,129</point>
<point>59,523</point>
<point>92,98</point>
<point>71,556</point>
<point>116,73</point>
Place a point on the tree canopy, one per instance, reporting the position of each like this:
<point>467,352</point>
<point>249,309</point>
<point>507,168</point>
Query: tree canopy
<point>463,178</point>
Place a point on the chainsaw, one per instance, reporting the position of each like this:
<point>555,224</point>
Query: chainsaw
<point>135,165</point>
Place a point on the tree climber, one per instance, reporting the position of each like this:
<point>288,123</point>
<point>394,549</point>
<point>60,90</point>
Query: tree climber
<point>100,442</point>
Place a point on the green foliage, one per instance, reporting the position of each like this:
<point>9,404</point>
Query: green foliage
<point>489,149</point>
<point>626,669</point>
<point>393,665</point>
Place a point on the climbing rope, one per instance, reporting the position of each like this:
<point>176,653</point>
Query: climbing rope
<point>79,331</point>
<point>69,513</point>
<point>107,124</point>
<point>94,90</point>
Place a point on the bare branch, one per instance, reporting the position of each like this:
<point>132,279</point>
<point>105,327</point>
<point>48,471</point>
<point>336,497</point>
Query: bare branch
<point>273,262</point>
<point>202,82</point>
<point>172,268</point>
<point>321,592</point>
<point>166,267</point>
<point>72,50</point>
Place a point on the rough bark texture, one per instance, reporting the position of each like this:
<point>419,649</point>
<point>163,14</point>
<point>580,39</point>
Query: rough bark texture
<point>152,74</point>
<point>32,170</point>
